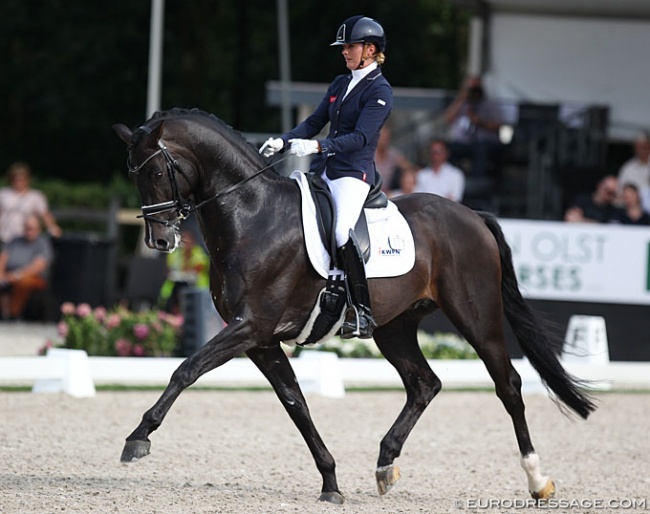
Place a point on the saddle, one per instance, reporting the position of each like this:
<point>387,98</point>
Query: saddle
<point>326,214</point>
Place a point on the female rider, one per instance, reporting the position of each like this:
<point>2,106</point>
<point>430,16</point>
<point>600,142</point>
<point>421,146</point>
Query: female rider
<point>356,105</point>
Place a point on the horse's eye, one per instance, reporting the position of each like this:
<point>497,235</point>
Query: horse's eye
<point>156,175</point>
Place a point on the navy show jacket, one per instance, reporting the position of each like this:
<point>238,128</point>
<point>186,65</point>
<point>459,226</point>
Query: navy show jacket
<point>355,122</point>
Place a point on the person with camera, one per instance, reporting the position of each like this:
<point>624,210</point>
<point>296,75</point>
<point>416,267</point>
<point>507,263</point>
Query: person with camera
<point>474,122</point>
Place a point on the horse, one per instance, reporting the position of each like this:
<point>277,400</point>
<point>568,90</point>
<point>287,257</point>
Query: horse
<point>263,286</point>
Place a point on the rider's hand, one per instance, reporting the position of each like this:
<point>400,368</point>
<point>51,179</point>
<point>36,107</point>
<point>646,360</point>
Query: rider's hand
<point>271,146</point>
<point>302,147</point>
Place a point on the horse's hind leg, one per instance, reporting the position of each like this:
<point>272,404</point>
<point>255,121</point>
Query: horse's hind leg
<point>484,331</point>
<point>273,363</point>
<point>398,343</point>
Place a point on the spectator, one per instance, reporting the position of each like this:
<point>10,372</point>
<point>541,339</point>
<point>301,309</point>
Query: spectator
<point>440,177</point>
<point>389,161</point>
<point>187,267</point>
<point>18,201</point>
<point>632,212</point>
<point>407,182</point>
<point>474,123</point>
<point>595,207</point>
<point>24,267</point>
<point>636,171</point>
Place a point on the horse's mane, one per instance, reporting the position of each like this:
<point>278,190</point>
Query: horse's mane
<point>232,135</point>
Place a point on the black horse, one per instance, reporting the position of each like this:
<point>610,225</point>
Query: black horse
<point>263,285</point>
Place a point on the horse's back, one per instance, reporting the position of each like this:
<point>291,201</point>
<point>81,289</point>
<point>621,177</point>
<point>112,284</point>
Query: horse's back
<point>443,222</point>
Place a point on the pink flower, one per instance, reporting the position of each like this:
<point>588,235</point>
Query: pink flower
<point>139,351</point>
<point>141,331</point>
<point>43,349</point>
<point>113,321</point>
<point>100,313</point>
<point>68,308</point>
<point>62,329</point>
<point>123,348</point>
<point>84,310</point>
<point>175,321</point>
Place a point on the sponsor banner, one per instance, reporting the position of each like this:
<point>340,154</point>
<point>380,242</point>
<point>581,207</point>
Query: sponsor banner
<point>580,261</point>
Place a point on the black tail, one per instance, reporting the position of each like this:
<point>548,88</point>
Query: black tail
<point>535,341</point>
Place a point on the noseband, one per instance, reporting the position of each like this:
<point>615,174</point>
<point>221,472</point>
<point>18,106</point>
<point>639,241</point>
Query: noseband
<point>183,208</point>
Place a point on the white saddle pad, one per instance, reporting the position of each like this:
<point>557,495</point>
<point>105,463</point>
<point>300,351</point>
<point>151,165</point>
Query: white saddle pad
<point>392,250</point>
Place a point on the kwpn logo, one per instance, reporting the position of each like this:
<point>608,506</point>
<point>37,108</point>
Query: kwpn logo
<point>395,246</point>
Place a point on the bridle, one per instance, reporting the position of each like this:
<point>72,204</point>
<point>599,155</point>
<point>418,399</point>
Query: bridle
<point>182,207</point>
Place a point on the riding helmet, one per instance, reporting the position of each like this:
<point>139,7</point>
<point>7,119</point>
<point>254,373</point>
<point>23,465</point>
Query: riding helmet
<point>361,29</point>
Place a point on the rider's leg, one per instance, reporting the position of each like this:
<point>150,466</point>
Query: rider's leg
<point>349,196</point>
<point>358,320</point>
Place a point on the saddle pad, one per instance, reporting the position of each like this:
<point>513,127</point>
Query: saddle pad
<point>392,250</point>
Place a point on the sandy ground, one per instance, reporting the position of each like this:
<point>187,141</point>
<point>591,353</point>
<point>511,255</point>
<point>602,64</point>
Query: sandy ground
<point>237,452</point>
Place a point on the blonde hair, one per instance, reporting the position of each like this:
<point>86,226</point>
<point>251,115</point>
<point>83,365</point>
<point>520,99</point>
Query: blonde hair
<point>379,57</point>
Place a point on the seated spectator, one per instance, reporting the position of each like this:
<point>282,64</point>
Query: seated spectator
<point>407,182</point>
<point>188,266</point>
<point>24,269</point>
<point>474,123</point>
<point>18,201</point>
<point>440,177</point>
<point>389,161</point>
<point>595,207</point>
<point>632,212</point>
<point>636,171</point>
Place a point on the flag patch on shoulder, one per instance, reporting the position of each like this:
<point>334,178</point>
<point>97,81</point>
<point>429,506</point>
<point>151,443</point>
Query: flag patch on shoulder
<point>381,102</point>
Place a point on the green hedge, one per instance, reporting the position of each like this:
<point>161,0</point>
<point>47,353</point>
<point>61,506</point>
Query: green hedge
<point>62,194</point>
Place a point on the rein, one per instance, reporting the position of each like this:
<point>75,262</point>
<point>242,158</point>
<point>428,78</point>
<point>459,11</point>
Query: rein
<point>183,209</point>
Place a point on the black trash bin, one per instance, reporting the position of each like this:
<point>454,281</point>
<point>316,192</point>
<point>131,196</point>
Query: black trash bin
<point>84,269</point>
<point>202,321</point>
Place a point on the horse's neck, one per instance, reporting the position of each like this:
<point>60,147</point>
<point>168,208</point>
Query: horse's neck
<point>238,214</point>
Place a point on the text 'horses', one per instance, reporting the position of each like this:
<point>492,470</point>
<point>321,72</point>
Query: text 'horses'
<point>265,288</point>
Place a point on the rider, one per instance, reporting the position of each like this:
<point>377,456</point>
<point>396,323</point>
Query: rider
<point>356,105</point>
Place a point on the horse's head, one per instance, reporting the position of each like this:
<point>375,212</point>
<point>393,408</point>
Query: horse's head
<point>164,179</point>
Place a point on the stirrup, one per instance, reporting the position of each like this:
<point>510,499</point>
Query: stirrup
<point>357,323</point>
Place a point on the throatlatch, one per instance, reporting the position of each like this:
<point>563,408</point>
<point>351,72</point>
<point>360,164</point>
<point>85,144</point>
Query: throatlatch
<point>358,316</point>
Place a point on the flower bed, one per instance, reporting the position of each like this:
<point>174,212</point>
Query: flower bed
<point>117,332</point>
<point>434,346</point>
<point>122,333</point>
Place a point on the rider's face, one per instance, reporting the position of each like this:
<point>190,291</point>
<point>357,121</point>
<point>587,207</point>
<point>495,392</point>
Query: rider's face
<point>354,52</point>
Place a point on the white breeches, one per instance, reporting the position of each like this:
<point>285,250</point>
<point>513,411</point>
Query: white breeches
<point>349,196</point>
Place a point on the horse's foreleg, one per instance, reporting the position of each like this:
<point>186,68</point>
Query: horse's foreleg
<point>230,342</point>
<point>275,366</point>
<point>398,343</point>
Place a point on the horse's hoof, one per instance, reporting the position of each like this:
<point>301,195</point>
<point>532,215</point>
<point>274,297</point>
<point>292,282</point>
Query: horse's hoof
<point>387,477</point>
<point>546,492</point>
<point>333,497</point>
<point>135,450</point>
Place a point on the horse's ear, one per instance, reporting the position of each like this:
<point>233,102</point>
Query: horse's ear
<point>123,132</point>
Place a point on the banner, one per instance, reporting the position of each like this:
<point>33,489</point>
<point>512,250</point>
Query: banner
<point>580,261</point>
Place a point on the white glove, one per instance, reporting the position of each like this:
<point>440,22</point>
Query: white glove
<point>271,146</point>
<point>302,147</point>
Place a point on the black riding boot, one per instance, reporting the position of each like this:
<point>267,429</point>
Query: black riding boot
<point>358,320</point>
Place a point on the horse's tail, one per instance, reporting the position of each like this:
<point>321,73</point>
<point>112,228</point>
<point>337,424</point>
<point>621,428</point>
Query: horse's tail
<point>535,341</point>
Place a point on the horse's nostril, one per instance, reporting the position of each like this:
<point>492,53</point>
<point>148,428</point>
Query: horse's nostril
<point>162,244</point>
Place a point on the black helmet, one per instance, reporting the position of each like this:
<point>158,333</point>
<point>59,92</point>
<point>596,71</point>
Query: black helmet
<point>360,29</point>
